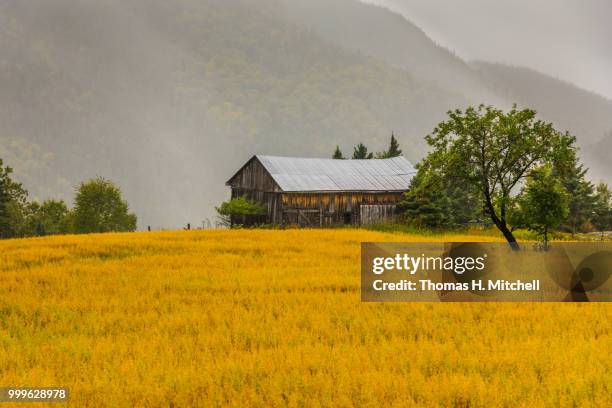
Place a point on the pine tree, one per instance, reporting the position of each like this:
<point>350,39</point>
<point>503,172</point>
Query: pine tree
<point>338,154</point>
<point>13,201</point>
<point>433,202</point>
<point>394,148</point>
<point>571,173</point>
<point>602,208</point>
<point>360,152</point>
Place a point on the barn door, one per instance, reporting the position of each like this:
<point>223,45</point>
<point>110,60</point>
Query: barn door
<point>370,214</point>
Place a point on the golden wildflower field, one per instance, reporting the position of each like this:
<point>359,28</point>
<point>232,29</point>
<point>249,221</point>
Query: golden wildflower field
<point>274,318</point>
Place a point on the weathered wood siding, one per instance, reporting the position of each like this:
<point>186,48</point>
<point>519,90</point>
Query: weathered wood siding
<point>254,183</point>
<point>308,209</point>
<point>272,202</point>
<point>328,209</point>
<point>371,214</point>
<point>253,176</point>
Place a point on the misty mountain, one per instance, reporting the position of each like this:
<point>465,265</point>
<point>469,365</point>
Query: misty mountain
<point>597,156</point>
<point>169,98</point>
<point>584,114</point>
<point>382,34</point>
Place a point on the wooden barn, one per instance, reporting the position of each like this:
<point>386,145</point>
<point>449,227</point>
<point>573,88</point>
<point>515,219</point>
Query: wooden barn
<point>312,192</point>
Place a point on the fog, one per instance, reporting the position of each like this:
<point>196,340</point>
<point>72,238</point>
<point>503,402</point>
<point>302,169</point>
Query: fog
<point>568,39</point>
<point>168,99</point>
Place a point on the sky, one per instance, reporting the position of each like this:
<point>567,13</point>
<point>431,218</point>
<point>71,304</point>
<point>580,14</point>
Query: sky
<point>567,39</point>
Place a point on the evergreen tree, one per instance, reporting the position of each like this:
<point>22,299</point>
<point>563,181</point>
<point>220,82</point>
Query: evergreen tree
<point>13,202</point>
<point>360,152</point>
<point>602,208</point>
<point>433,202</point>
<point>394,149</point>
<point>338,154</point>
<point>572,175</point>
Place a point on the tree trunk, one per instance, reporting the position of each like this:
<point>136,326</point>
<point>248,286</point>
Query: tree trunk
<point>501,224</point>
<point>508,235</point>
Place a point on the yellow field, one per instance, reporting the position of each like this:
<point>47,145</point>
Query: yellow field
<point>274,318</point>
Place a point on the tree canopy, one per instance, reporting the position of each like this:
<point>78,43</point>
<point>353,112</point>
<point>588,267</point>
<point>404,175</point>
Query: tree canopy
<point>360,152</point>
<point>602,208</point>
<point>239,207</point>
<point>494,151</point>
<point>99,207</point>
<point>393,150</point>
<point>13,199</point>
<point>338,154</point>
<point>544,203</point>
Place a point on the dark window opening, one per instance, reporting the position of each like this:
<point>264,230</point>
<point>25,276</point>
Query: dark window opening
<point>347,218</point>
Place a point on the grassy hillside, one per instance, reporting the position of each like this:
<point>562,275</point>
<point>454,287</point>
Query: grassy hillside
<point>274,319</point>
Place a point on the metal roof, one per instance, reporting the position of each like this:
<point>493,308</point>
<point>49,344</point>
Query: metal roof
<point>309,174</point>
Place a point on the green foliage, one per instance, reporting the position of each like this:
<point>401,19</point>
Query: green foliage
<point>433,202</point>
<point>544,204</point>
<point>572,175</point>
<point>602,208</point>
<point>99,207</point>
<point>239,208</point>
<point>493,151</point>
<point>393,151</point>
<point>338,154</point>
<point>13,200</point>
<point>360,152</point>
<point>52,217</point>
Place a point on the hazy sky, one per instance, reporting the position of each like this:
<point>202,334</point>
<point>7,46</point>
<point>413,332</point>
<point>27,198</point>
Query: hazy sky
<point>568,39</point>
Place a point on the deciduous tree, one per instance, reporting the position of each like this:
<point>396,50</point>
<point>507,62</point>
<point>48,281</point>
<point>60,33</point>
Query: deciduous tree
<point>494,151</point>
<point>99,207</point>
<point>544,203</point>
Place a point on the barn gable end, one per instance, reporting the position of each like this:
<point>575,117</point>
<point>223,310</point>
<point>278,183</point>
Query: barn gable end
<point>253,176</point>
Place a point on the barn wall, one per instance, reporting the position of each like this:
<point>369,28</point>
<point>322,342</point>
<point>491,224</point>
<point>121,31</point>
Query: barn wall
<point>376,213</point>
<point>272,202</point>
<point>254,183</point>
<point>253,176</point>
<point>329,209</point>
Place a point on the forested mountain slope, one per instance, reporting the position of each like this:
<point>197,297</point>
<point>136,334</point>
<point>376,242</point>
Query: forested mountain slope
<point>389,37</point>
<point>169,98</point>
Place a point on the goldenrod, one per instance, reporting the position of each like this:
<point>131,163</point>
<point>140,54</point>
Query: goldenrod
<point>274,318</point>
